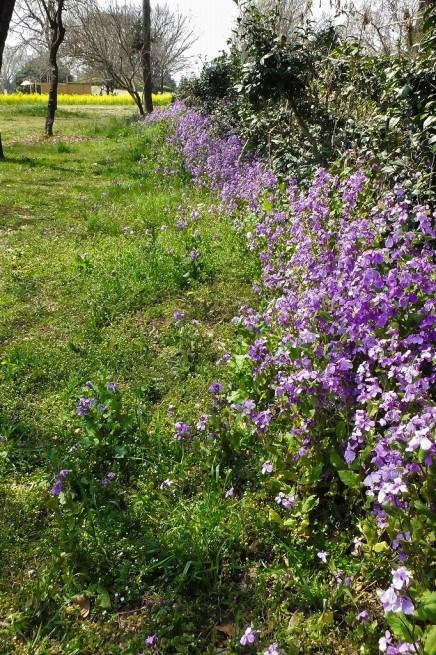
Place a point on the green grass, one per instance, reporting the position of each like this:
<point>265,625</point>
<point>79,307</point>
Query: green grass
<point>87,288</point>
<point>92,269</point>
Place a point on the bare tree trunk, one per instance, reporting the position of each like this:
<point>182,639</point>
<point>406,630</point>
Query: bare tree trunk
<point>146,55</point>
<point>6,11</point>
<point>57,34</point>
<point>52,96</point>
<point>138,101</point>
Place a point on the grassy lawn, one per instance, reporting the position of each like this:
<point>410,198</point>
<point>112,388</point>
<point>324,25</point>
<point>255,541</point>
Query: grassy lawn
<point>92,269</point>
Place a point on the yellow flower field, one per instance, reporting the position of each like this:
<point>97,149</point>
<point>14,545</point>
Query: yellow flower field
<point>86,99</point>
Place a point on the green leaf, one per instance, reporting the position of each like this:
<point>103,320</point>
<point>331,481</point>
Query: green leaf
<point>341,429</point>
<point>120,451</point>
<point>423,509</point>
<point>267,206</point>
<point>103,599</point>
<point>430,641</point>
<point>426,610</point>
<point>309,503</point>
<point>274,517</point>
<point>370,532</point>
<point>404,92</point>
<point>240,361</point>
<point>315,473</point>
<point>400,626</point>
<point>381,546</point>
<point>393,122</point>
<point>350,479</point>
<point>337,461</point>
<point>430,120</point>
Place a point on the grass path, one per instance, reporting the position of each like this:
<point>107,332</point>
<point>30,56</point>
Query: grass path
<point>78,289</point>
<point>92,268</point>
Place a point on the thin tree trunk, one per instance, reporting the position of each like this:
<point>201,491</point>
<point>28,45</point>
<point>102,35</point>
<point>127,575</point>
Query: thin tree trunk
<point>57,30</point>
<point>137,98</point>
<point>146,55</point>
<point>6,11</point>
<point>52,96</point>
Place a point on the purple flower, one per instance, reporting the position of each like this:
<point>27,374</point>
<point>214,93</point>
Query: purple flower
<point>112,386</point>
<point>393,602</point>
<point>182,430</point>
<point>267,467</point>
<point>178,316</point>
<point>108,478</point>
<point>401,578</point>
<point>170,411</point>
<point>216,387</point>
<point>230,493</point>
<point>385,641</point>
<point>152,641</point>
<point>56,488</point>
<point>273,649</point>
<point>224,359</point>
<point>85,406</point>
<point>202,422</point>
<point>403,648</point>
<point>64,473</point>
<point>249,637</point>
<point>194,254</point>
<point>363,616</point>
<point>286,501</point>
<point>165,484</point>
<point>322,554</point>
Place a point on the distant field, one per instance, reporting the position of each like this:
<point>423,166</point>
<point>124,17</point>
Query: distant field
<point>85,99</point>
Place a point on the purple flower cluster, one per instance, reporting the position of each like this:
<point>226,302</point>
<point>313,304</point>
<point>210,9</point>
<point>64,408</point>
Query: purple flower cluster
<point>288,502</point>
<point>85,405</point>
<point>152,641</point>
<point>249,637</point>
<point>394,599</point>
<point>164,113</point>
<point>387,646</point>
<point>58,480</point>
<point>349,284</point>
<point>108,478</point>
<point>217,162</point>
<point>182,431</point>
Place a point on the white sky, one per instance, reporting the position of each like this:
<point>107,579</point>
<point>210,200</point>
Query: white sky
<point>213,21</point>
